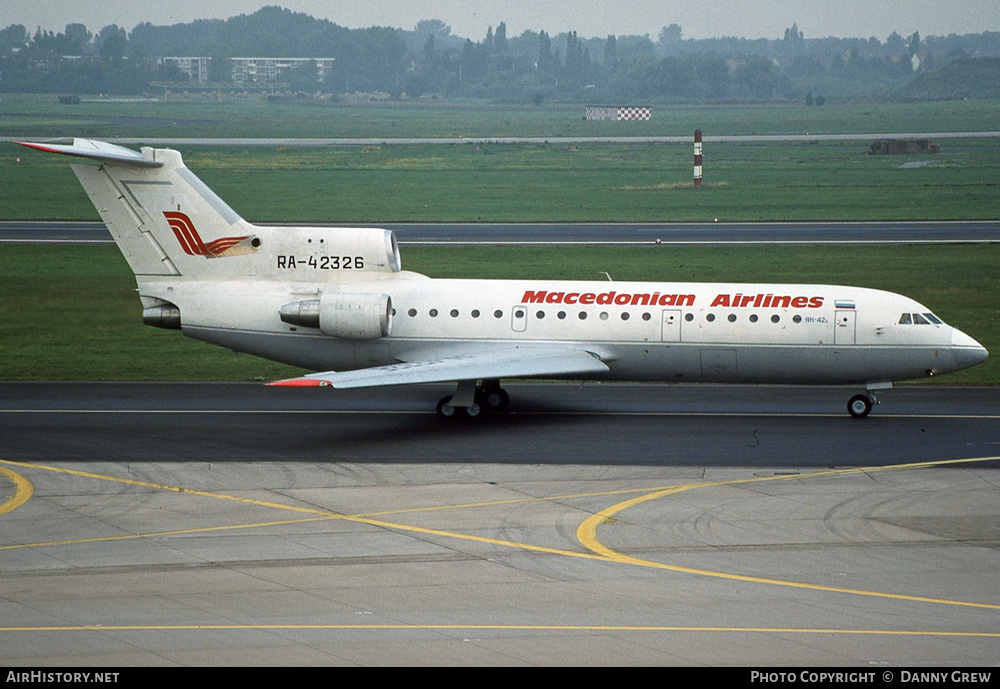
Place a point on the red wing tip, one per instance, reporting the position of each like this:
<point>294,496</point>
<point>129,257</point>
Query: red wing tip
<point>299,383</point>
<point>40,147</point>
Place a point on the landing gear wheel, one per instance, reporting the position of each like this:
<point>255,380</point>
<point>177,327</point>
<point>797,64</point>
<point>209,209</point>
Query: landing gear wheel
<point>495,398</point>
<point>445,409</point>
<point>473,411</point>
<point>859,406</point>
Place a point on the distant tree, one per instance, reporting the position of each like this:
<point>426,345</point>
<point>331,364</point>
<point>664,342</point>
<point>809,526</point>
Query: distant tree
<point>670,35</point>
<point>500,45</point>
<point>220,69</point>
<point>139,50</point>
<point>429,55</point>
<point>304,78</point>
<point>501,59</point>
<point>804,67</point>
<point>712,79</point>
<point>574,55</point>
<point>546,62</point>
<point>61,44</point>
<point>610,52</point>
<point>111,43</point>
<point>14,37</point>
<point>756,77</point>
<point>793,35</point>
<point>915,43</point>
<point>434,27</point>
<point>895,44</point>
<point>78,35</point>
<point>632,46</point>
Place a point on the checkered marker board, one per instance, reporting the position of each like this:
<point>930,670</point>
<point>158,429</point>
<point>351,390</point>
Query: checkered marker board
<point>634,113</point>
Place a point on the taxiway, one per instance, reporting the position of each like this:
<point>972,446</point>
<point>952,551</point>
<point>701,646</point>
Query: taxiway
<point>180,524</point>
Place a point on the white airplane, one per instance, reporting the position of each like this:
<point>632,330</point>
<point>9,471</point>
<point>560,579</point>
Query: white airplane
<point>338,298</point>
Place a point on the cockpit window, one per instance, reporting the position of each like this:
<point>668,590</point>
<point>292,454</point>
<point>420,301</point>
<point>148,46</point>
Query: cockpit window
<point>919,319</point>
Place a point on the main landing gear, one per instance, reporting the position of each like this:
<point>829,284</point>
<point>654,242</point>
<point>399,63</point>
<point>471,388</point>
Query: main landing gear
<point>472,399</point>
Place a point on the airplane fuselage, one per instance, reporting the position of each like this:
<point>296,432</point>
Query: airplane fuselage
<point>682,332</point>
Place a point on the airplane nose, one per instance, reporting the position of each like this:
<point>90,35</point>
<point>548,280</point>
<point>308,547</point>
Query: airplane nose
<point>965,351</point>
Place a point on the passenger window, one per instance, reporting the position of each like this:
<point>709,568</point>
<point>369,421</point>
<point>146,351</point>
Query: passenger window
<point>433,313</point>
<point>412,313</point>
<point>624,315</point>
<point>540,315</point>
<point>753,318</point>
<point>454,313</point>
<point>561,315</point>
<point>475,313</point>
<point>498,314</point>
<point>710,317</point>
<point>775,318</point>
<point>905,319</point>
<point>689,317</point>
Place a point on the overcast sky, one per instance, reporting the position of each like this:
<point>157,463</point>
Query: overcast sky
<point>470,18</point>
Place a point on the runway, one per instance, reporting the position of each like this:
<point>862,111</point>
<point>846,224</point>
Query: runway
<point>937,232</point>
<point>162,524</point>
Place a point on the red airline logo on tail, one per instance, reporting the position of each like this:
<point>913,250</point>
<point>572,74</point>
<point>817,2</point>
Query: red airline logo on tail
<point>191,241</point>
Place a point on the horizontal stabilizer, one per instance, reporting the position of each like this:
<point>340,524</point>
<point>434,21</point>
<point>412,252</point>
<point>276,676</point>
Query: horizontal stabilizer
<point>496,363</point>
<point>96,150</point>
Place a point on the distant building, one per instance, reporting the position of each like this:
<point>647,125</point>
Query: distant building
<point>271,68</point>
<point>195,68</point>
<point>249,69</point>
<point>618,112</point>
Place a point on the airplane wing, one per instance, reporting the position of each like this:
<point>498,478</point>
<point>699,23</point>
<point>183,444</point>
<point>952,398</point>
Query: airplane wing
<point>508,362</point>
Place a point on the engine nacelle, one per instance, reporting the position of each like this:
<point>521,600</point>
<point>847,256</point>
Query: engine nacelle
<point>345,315</point>
<point>323,254</point>
<point>160,314</point>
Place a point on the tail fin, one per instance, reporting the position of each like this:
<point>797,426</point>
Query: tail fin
<point>164,219</point>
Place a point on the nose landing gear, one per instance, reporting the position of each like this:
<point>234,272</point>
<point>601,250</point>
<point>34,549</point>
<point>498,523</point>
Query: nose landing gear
<point>860,406</point>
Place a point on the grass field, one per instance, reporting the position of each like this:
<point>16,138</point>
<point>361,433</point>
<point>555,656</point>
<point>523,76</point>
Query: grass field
<point>42,116</point>
<point>513,183</point>
<point>71,313</point>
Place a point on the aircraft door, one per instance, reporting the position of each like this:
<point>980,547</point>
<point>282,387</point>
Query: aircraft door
<point>671,326</point>
<point>519,318</point>
<point>844,332</point>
